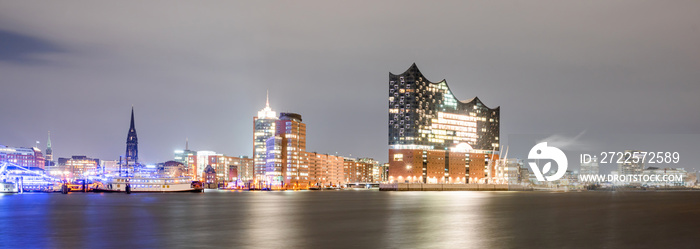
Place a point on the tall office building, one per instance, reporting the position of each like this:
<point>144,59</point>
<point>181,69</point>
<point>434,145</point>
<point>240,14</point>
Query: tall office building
<point>132,144</point>
<point>432,133</point>
<point>263,129</point>
<point>286,163</point>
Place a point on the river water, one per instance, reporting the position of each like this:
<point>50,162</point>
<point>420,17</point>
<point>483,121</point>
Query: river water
<point>352,219</point>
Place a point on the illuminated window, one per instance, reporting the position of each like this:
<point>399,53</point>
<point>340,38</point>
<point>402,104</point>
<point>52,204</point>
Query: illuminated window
<point>398,157</point>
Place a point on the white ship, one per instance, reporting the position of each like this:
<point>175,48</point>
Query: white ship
<point>144,185</point>
<point>8,187</point>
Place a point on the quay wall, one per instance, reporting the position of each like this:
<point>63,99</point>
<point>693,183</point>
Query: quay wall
<point>450,187</point>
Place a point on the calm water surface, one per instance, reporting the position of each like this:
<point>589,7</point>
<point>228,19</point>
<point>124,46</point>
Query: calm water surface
<point>352,219</point>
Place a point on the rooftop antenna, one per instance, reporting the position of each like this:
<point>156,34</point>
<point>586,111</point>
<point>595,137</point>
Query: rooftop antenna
<point>187,143</point>
<point>267,101</point>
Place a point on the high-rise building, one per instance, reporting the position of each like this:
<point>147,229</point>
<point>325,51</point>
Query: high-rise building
<point>132,144</point>
<point>432,133</point>
<point>286,162</point>
<point>263,129</point>
<point>427,115</point>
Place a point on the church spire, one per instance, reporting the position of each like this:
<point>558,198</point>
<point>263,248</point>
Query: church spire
<point>132,149</point>
<point>132,128</point>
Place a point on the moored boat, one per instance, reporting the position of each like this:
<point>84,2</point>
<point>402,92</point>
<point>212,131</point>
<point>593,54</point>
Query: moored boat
<point>8,187</point>
<point>146,185</point>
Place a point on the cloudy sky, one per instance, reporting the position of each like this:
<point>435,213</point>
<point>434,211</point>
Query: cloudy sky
<point>199,70</point>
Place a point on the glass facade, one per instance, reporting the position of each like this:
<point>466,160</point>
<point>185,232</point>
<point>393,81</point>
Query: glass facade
<point>264,128</point>
<point>426,115</point>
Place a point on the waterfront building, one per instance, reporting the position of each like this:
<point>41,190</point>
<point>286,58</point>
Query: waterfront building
<point>376,169</point>
<point>245,168</point>
<point>286,163</point>
<point>590,168</point>
<point>194,163</point>
<point>209,177</point>
<point>132,146</point>
<point>189,159</point>
<point>24,157</point>
<point>325,170</point>
<point>385,172</point>
<point>232,173</point>
<point>223,165</point>
<point>507,171</point>
<point>79,166</point>
<point>432,135</point>
<point>570,178</point>
<point>355,171</point>
<point>482,167</point>
<point>525,174</point>
<point>110,166</point>
<point>263,128</point>
<point>680,175</point>
<point>202,159</point>
<point>633,163</point>
<point>172,168</point>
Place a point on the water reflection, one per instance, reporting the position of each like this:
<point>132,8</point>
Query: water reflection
<point>436,220</point>
<point>351,219</point>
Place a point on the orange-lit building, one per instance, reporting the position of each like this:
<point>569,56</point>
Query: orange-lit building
<point>286,164</point>
<point>325,170</point>
<point>357,171</point>
<point>222,164</point>
<point>79,166</point>
<point>481,167</point>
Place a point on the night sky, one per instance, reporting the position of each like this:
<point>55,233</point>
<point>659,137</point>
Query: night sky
<point>199,70</point>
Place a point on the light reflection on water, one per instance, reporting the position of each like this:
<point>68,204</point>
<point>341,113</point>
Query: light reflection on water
<point>351,219</point>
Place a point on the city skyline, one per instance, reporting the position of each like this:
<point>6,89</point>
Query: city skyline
<point>204,77</point>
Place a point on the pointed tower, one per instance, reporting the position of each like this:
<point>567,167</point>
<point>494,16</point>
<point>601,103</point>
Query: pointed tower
<point>49,152</point>
<point>263,129</point>
<point>132,148</point>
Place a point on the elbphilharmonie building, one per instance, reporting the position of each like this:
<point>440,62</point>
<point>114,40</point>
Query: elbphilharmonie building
<point>432,134</point>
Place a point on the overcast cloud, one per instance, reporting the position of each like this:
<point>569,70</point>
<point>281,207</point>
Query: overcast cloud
<point>199,70</point>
